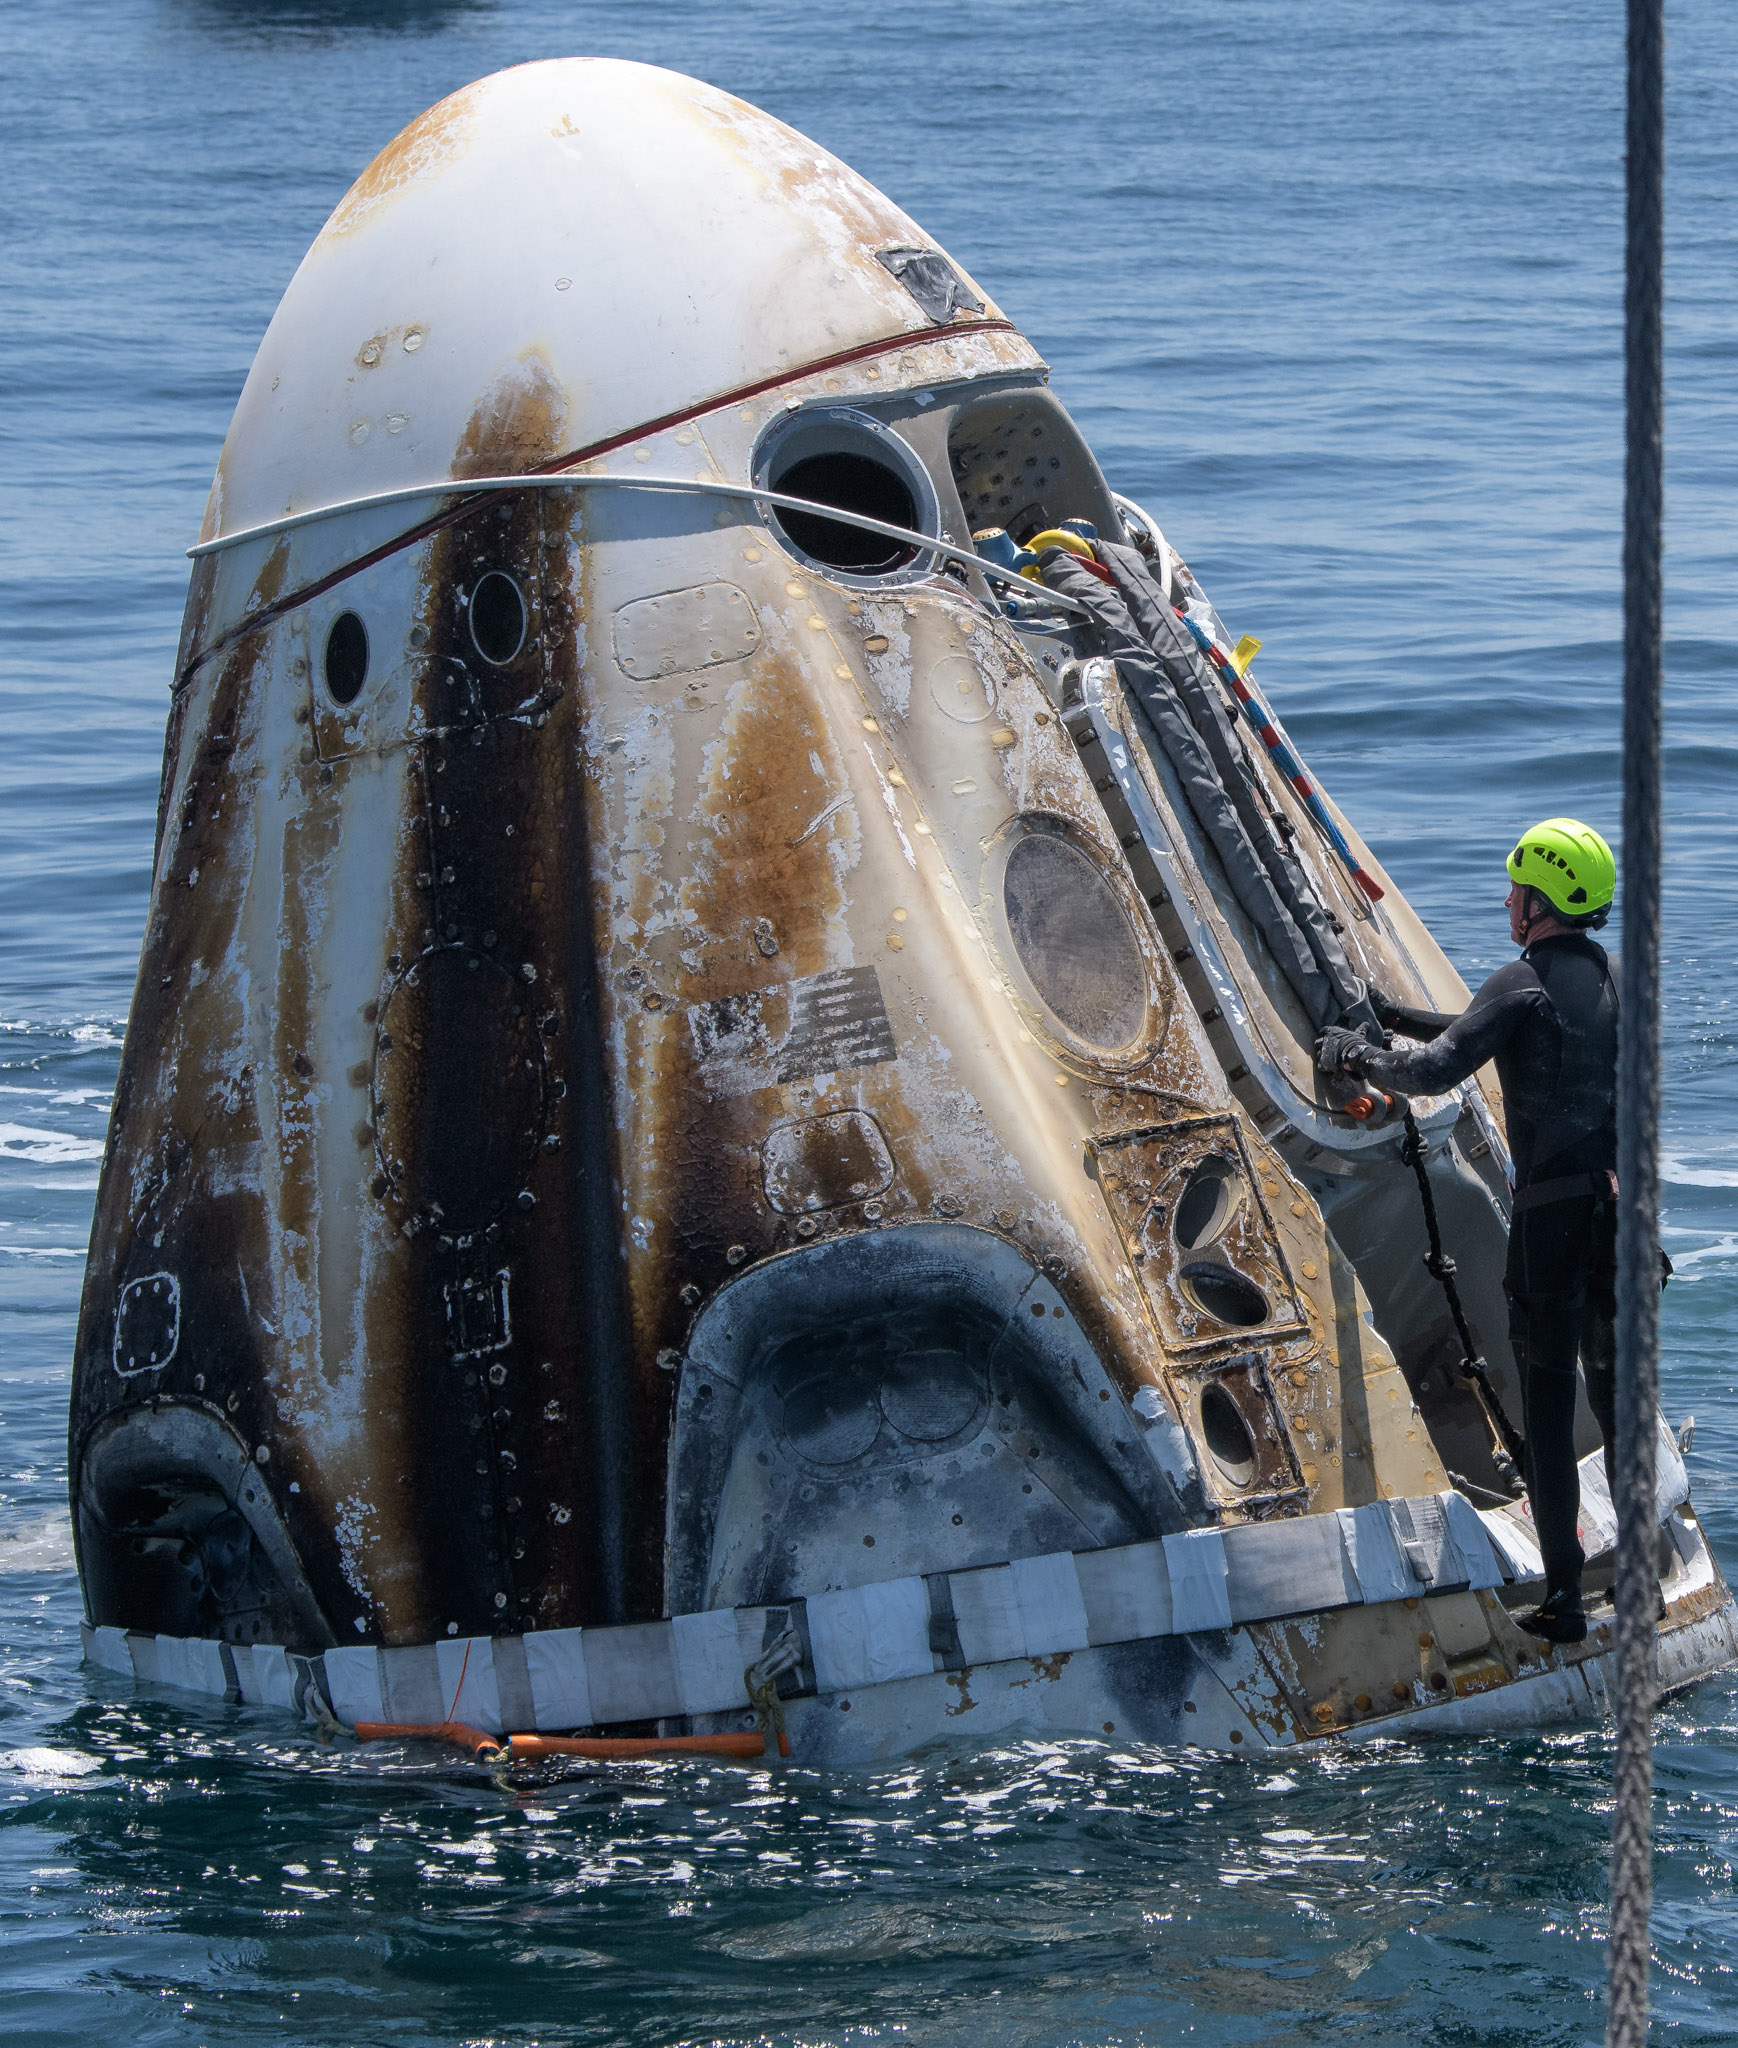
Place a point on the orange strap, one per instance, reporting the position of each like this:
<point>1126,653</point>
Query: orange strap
<point>526,1747</point>
<point>458,1732</point>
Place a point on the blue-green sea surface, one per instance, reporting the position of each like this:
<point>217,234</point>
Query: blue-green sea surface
<point>1335,290</point>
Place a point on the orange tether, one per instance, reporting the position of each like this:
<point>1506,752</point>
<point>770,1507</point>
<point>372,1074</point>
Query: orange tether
<point>459,1732</point>
<point>526,1747</point>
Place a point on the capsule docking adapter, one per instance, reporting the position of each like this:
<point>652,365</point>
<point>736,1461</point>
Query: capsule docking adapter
<point>707,1136</point>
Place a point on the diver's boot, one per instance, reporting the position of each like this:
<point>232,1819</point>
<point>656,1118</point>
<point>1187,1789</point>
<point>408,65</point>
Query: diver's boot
<point>1558,1618</point>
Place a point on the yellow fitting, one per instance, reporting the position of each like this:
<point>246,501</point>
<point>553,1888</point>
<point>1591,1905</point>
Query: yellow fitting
<point>1054,537</point>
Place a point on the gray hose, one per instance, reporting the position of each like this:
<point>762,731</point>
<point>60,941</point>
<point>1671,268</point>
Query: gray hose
<point>1126,635</point>
<point>1203,699</point>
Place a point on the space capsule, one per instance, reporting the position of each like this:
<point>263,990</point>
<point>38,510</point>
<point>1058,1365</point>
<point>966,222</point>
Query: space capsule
<point>718,1118</point>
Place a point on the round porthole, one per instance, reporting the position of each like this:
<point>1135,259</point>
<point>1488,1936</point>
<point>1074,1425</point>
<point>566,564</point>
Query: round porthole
<point>1224,1295</point>
<point>1208,1201</point>
<point>1229,1443</point>
<point>346,663</point>
<point>1074,940</point>
<point>497,618</point>
<point>839,457</point>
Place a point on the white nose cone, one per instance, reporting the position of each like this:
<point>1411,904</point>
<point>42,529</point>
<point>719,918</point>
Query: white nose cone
<point>553,256</point>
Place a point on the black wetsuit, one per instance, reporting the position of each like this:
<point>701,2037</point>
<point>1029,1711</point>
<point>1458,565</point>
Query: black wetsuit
<point>1549,1021</point>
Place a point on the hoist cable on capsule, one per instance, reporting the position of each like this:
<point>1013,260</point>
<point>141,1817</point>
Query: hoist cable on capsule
<point>783,501</point>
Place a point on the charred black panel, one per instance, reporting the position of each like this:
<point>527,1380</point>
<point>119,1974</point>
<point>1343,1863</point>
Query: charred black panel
<point>460,1088</point>
<point>492,1120</point>
<point>166,1321</point>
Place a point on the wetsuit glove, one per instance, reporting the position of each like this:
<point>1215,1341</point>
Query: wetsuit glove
<point>1386,1008</point>
<point>1339,1051</point>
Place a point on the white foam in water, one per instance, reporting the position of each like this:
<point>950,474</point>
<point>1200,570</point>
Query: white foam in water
<point>44,1546</point>
<point>43,1765</point>
<point>1678,1173</point>
<point>59,1098</point>
<point>47,1148</point>
<point>1684,1264</point>
<point>88,1031</point>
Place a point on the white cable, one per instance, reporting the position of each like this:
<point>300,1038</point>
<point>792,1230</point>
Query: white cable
<point>457,487</point>
<point>1161,547</point>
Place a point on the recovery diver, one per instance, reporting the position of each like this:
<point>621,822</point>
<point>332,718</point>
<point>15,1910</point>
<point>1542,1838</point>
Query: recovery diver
<point>1549,1021</point>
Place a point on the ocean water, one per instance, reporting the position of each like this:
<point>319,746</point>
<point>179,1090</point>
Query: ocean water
<point>1335,291</point>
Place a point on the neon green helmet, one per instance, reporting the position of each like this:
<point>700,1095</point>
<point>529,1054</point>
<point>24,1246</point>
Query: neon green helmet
<point>1570,866</point>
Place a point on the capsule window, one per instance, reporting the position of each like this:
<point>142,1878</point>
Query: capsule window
<point>497,618</point>
<point>1229,1443</point>
<point>840,457</point>
<point>1074,940</point>
<point>1207,1203</point>
<point>1224,1295</point>
<point>346,658</point>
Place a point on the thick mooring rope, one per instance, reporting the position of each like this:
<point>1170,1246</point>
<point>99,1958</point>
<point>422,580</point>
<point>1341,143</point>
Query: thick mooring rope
<point>1638,1087</point>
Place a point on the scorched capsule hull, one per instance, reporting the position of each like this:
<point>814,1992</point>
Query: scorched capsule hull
<point>698,1082</point>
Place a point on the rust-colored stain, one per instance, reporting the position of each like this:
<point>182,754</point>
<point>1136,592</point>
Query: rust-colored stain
<point>431,141</point>
<point>692,1162</point>
<point>519,424</point>
<point>414,1316</point>
<point>544,1184</point>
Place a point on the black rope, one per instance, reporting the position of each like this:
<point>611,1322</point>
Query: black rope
<point>1638,1047</point>
<point>1511,1450</point>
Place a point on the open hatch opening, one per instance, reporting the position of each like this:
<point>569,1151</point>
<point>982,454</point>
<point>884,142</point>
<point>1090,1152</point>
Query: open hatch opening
<point>855,483</point>
<point>838,456</point>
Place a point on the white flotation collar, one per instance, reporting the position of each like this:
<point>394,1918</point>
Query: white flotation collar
<point>554,1680</point>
